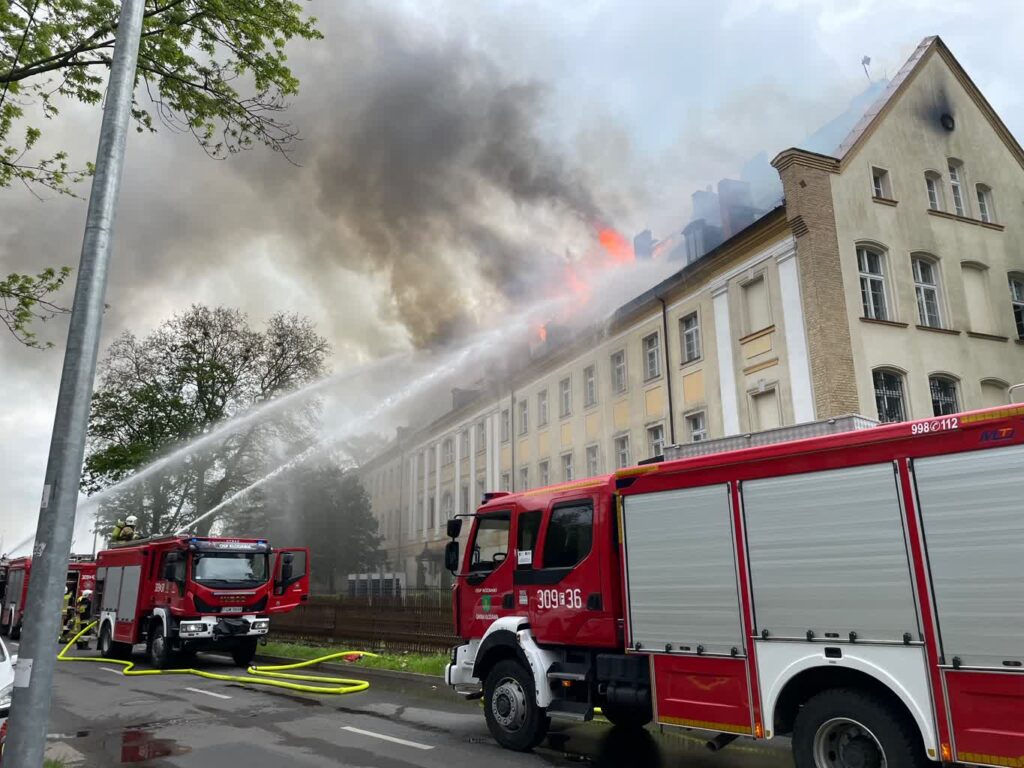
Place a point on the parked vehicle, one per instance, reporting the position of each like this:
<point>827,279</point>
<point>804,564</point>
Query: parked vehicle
<point>81,576</point>
<point>181,594</point>
<point>7,662</point>
<point>859,592</point>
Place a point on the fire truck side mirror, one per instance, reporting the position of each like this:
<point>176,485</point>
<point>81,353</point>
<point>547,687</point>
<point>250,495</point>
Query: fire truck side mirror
<point>454,527</point>
<point>451,555</point>
<point>286,568</point>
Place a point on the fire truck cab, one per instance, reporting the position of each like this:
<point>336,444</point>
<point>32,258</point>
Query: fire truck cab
<point>182,594</point>
<point>859,592</point>
<point>81,576</point>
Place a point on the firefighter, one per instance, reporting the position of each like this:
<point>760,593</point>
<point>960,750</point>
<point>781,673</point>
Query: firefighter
<point>125,530</point>
<point>83,613</point>
<point>65,615</point>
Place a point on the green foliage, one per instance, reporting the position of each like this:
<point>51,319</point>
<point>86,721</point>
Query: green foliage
<point>214,68</point>
<point>420,663</point>
<point>24,300</point>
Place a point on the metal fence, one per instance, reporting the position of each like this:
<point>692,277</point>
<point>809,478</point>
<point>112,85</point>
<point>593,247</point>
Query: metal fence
<point>417,621</point>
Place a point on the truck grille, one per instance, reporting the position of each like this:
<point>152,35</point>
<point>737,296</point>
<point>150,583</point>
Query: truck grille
<point>203,607</point>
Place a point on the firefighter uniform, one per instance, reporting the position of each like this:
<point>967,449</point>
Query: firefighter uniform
<point>83,611</point>
<point>123,532</point>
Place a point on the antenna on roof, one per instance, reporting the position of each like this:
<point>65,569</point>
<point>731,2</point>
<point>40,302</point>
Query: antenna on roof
<point>864,63</point>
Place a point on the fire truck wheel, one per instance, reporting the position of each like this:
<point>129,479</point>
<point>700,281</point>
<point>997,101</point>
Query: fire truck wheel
<point>510,706</point>
<point>627,717</point>
<point>245,652</point>
<point>159,649</point>
<point>105,645</point>
<point>848,728</point>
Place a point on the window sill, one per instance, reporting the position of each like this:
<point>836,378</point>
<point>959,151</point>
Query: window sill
<point>966,220</point>
<point>651,379</point>
<point>757,334</point>
<point>688,363</point>
<point>891,323</point>
<point>884,200</point>
<point>1019,341</point>
<point>933,329</point>
<point>989,336</point>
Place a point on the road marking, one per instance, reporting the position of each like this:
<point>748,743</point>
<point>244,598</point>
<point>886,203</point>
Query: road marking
<point>403,742</point>
<point>111,669</point>
<point>208,693</point>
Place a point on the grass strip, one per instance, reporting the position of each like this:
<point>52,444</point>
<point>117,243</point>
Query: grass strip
<point>421,663</point>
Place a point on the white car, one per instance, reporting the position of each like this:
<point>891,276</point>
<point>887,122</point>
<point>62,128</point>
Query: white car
<point>7,662</point>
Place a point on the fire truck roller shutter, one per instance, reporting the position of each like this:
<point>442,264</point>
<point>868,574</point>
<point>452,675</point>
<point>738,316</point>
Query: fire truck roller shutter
<point>681,570</point>
<point>971,513</point>
<point>129,591</point>
<point>112,589</point>
<point>828,555</point>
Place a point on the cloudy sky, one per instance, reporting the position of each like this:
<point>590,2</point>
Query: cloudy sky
<point>453,153</point>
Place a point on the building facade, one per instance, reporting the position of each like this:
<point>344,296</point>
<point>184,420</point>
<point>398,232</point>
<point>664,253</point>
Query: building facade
<point>889,283</point>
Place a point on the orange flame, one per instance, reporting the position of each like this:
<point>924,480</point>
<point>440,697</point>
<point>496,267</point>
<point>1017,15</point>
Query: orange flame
<point>615,245</point>
<point>542,332</point>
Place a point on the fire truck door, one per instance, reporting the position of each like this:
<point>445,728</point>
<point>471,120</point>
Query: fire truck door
<point>563,589</point>
<point>487,593</point>
<point>291,580</point>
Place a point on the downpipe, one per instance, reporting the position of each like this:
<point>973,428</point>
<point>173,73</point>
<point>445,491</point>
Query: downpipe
<point>720,742</point>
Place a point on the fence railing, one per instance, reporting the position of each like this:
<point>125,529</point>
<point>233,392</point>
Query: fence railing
<point>416,621</point>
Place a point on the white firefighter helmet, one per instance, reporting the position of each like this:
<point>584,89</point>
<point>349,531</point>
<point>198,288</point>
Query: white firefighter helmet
<point>86,593</point>
<point>131,520</point>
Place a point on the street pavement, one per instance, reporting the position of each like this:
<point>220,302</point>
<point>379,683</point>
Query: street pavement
<point>101,718</point>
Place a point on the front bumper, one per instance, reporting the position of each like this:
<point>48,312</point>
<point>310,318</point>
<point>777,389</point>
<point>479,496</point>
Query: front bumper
<point>459,671</point>
<point>223,627</point>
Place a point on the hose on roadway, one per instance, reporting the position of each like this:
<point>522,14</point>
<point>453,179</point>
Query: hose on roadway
<point>276,676</point>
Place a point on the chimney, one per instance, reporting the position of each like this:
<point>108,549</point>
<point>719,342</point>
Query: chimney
<point>736,206</point>
<point>643,245</point>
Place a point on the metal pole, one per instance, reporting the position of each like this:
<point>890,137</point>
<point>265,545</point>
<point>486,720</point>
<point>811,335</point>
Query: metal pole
<point>30,709</point>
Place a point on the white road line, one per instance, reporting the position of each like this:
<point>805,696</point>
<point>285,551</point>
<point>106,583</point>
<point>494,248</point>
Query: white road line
<point>111,669</point>
<point>208,693</point>
<point>403,742</point>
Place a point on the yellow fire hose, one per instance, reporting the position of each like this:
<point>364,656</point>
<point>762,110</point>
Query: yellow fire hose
<point>274,676</point>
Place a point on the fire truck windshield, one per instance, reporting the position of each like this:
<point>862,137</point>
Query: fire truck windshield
<point>490,542</point>
<point>230,569</point>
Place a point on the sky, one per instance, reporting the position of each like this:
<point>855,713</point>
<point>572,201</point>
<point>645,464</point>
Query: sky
<point>454,155</point>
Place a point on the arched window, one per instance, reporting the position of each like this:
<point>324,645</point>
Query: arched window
<point>1017,300</point>
<point>890,397</point>
<point>933,185</point>
<point>956,186</point>
<point>945,398</point>
<point>994,392</point>
<point>986,205</point>
<point>928,289</point>
<point>871,266</point>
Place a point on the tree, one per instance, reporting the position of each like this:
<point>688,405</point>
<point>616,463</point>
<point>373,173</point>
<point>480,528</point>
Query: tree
<point>24,299</point>
<point>214,68</point>
<point>196,370</point>
<point>321,504</point>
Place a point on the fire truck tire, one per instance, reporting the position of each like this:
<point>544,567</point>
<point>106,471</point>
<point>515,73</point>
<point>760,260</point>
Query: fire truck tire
<point>633,718</point>
<point>843,727</point>
<point>510,707</point>
<point>159,648</point>
<point>108,648</point>
<point>245,652</point>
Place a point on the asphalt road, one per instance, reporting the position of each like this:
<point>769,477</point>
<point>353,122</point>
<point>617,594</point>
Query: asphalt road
<point>101,718</point>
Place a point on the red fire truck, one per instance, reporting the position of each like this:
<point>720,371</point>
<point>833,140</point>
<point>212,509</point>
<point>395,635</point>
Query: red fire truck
<point>861,592</point>
<point>182,594</point>
<point>81,576</point>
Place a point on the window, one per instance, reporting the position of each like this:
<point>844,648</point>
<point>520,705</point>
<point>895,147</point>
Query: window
<point>926,284</point>
<point>994,392</point>
<point>697,424</point>
<point>689,329</point>
<point>764,410</point>
<point>569,535</point>
<point>506,481</point>
<point>592,465</point>
<point>431,513</point>
<point>652,356</point>
<point>656,441</point>
<point>447,506</point>
<point>464,504</point>
<point>979,315</point>
<point>564,397</point>
<point>490,542</point>
<point>481,489</point>
<point>526,534</point>
<point>755,304</point>
<point>889,396</point>
<point>542,408</point>
<point>524,417</point>
<point>568,472</point>
<point>589,386</point>
<point>880,183</point>
<point>543,473</point>
<point>464,443</point>
<point>872,283</point>
<point>524,478</point>
<point>1017,300</point>
<point>481,437</point>
<point>944,399</point>
<point>933,185</point>
<point>986,210</point>
<point>619,372</point>
<point>447,452</point>
<point>955,173</point>
<point>505,425</point>
<point>622,452</point>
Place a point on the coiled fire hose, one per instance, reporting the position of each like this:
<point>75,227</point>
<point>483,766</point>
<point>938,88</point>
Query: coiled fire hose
<point>276,676</point>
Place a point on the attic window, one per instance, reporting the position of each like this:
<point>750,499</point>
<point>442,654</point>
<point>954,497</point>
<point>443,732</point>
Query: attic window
<point>881,187</point>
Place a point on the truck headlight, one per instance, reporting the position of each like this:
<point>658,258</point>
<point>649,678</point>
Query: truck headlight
<point>5,695</point>
<point>191,626</point>
<point>259,624</point>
